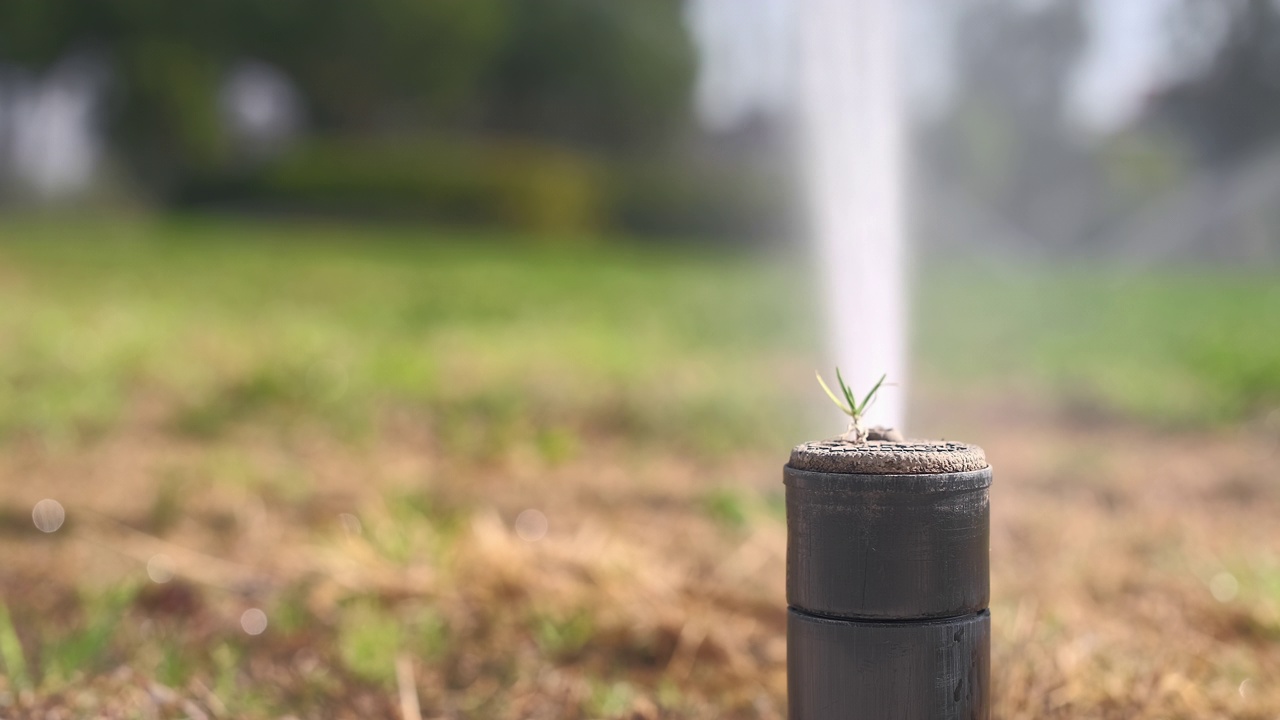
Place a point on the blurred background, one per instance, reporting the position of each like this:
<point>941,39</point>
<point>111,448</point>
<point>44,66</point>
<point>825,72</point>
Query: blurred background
<point>410,359</point>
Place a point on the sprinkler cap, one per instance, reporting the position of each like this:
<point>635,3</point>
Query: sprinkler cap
<point>913,457</point>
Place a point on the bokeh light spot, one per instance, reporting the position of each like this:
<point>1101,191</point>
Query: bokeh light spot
<point>1224,587</point>
<point>254,621</point>
<point>351,524</point>
<point>48,515</point>
<point>531,525</point>
<point>160,568</point>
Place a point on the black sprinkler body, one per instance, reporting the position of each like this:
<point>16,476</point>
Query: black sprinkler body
<point>888,581</point>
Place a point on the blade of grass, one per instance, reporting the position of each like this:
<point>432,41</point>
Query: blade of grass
<point>871,394</point>
<point>409,707</point>
<point>15,664</point>
<point>848,394</point>
<point>830,394</point>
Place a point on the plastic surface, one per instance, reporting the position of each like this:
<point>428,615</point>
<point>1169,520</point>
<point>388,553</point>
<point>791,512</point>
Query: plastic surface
<point>924,670</point>
<point>888,547</point>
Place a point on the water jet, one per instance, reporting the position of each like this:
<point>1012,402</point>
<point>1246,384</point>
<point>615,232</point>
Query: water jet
<point>887,541</point>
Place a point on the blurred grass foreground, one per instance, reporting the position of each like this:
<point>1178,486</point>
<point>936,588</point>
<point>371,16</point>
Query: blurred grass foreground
<point>307,467</point>
<point>417,359</point>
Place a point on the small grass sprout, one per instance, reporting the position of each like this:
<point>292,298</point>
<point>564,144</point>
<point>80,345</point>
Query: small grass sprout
<point>857,432</point>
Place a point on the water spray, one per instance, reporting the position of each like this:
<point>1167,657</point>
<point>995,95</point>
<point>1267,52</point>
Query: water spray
<point>850,109</point>
<point>887,540</point>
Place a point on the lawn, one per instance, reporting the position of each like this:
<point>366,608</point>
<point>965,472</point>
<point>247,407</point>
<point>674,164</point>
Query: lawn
<point>524,480</point>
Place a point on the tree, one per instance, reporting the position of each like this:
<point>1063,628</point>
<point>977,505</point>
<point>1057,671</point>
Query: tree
<point>1004,141</point>
<point>613,75</point>
<point>1230,108</point>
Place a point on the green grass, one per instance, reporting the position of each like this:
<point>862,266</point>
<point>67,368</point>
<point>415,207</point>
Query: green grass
<point>11,653</point>
<point>368,640</point>
<point>223,323</point>
<point>495,343</point>
<point>1188,346</point>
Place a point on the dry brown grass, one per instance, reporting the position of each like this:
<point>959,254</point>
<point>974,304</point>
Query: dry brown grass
<point>638,602</point>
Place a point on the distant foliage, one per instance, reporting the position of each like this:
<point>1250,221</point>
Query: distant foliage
<point>1230,109</point>
<point>557,116</point>
<point>536,187</point>
<point>1007,164</point>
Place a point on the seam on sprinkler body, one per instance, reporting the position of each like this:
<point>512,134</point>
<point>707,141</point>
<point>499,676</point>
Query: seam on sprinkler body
<point>885,486</point>
<point>890,622</point>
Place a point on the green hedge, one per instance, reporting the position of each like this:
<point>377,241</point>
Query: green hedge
<point>536,188</point>
<point>734,199</point>
<point>530,187</point>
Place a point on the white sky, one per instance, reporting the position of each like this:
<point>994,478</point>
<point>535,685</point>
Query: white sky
<point>1127,56</point>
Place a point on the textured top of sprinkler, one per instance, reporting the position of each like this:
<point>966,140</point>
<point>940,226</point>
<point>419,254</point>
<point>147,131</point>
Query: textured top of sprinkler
<point>910,457</point>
